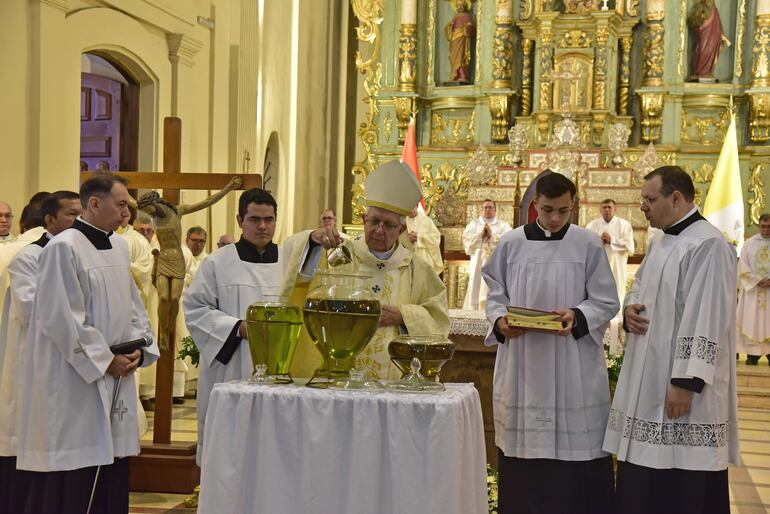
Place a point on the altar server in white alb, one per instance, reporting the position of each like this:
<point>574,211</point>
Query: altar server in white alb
<point>234,277</point>
<point>551,395</point>
<point>58,210</point>
<point>753,320</point>
<point>673,421</point>
<point>618,240</point>
<point>480,238</point>
<point>86,302</point>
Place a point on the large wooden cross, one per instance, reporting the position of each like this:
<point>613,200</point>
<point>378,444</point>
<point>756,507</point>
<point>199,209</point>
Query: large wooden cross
<point>171,180</point>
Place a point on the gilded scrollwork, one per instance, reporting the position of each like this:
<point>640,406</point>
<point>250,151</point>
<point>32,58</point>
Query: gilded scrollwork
<point>431,37</point>
<point>498,108</point>
<point>757,190</point>
<point>654,54</point>
<point>577,38</point>
<point>709,131</point>
<point>759,117</point>
<point>546,69</point>
<point>645,163</point>
<point>407,57</point>
<point>632,6</point>
<point>761,51</point>
<point>625,75</point>
<point>370,15</point>
<point>703,174</point>
<point>451,129</point>
<point>682,39</point>
<point>502,56</point>
<point>404,111</point>
<point>739,38</point>
<point>652,110</point>
<point>600,70</point>
<point>525,9</point>
<point>445,192</point>
<point>481,168</point>
<point>387,126</point>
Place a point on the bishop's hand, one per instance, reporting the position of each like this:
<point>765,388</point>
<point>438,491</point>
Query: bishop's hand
<point>124,365</point>
<point>327,237</point>
<point>390,316</point>
<point>635,322</point>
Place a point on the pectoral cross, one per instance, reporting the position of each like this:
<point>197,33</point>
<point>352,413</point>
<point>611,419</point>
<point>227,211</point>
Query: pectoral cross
<point>120,409</point>
<point>542,419</point>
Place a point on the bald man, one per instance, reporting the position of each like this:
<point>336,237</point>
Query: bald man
<point>6,219</point>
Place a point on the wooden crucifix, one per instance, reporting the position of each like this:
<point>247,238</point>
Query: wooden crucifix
<point>172,180</point>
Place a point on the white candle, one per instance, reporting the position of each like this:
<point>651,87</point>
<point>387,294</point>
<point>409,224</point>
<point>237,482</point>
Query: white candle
<point>408,12</point>
<point>763,7</point>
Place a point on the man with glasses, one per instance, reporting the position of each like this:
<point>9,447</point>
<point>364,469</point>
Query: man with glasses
<point>234,277</point>
<point>480,238</point>
<point>196,242</point>
<point>673,423</point>
<point>551,395</point>
<point>412,296</point>
<point>6,220</point>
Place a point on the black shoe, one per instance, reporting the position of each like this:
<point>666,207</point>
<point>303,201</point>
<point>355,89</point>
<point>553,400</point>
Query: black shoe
<point>180,401</point>
<point>752,360</point>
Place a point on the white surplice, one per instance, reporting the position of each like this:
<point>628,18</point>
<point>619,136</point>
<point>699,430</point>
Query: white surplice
<point>9,250</point>
<point>86,301</point>
<point>753,318</point>
<point>479,250</point>
<point>620,247</point>
<point>551,394</point>
<point>17,309</point>
<point>219,297</point>
<point>428,243</point>
<point>687,284</point>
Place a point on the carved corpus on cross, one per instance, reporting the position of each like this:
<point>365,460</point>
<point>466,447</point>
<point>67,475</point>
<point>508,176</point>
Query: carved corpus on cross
<point>172,180</point>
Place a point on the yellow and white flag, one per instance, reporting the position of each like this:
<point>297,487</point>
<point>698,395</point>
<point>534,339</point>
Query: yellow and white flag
<point>724,201</point>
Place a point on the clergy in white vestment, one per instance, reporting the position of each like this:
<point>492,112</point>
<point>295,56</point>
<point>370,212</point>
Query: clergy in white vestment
<point>196,242</point>
<point>618,240</point>
<point>424,238</point>
<point>59,210</point>
<point>673,423</point>
<point>234,277</point>
<point>480,238</point>
<point>753,317</point>
<point>412,297</point>
<point>551,394</point>
<point>77,415</point>
<point>6,220</point>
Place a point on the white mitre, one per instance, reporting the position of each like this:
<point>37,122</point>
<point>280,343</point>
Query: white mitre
<point>393,187</point>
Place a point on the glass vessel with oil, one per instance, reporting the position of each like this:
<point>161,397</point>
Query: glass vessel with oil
<point>273,328</point>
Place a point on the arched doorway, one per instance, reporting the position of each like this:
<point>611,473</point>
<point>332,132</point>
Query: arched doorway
<point>109,115</point>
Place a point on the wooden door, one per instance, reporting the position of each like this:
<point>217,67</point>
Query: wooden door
<point>100,111</point>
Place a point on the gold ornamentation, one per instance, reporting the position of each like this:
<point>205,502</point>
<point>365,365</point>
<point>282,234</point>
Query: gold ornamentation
<point>632,7</point>
<point>525,9</point>
<point>625,75</point>
<point>450,130</point>
<point>577,39</point>
<point>581,7</point>
<point>565,132</point>
<point>526,77</point>
<point>682,32</point>
<point>572,78</point>
<point>757,190</point>
<point>761,51</point>
<point>649,161</point>
<point>704,174</point>
<point>407,57</point>
<point>481,168</point>
<point>369,14</point>
<point>479,38</point>
<point>546,69</point>
<point>431,37</point>
<point>518,142</point>
<point>652,110</point>
<point>600,70</point>
<point>445,192</point>
<point>654,55</point>
<point>498,108</point>
<point>739,39</point>
<point>502,55</point>
<point>388,127</point>
<point>618,141</point>
<point>703,126</point>
<point>597,127</point>
<point>759,117</point>
<point>404,111</point>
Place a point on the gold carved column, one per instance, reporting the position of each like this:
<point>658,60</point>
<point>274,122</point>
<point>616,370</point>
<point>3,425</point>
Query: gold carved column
<point>759,116</point>
<point>407,64</point>
<point>526,77</point>
<point>625,74</point>
<point>502,65</point>
<point>545,56</point>
<point>600,84</point>
<point>654,58</point>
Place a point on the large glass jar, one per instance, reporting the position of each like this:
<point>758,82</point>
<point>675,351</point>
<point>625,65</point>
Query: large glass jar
<point>341,315</point>
<point>432,351</point>
<point>273,328</point>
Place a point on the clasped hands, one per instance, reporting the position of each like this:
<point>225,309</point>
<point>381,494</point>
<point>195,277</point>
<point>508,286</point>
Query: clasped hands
<point>511,332</point>
<point>124,365</point>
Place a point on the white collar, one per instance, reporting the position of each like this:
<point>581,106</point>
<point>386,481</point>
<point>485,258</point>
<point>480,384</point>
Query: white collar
<point>384,256</point>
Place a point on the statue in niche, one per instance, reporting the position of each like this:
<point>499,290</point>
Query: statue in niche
<point>709,38</point>
<point>460,32</point>
<point>582,7</point>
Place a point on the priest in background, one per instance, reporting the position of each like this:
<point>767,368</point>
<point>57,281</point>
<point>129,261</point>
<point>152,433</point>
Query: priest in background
<point>86,301</point>
<point>6,220</point>
<point>59,211</point>
<point>618,240</point>
<point>412,297</point>
<point>480,239</point>
<point>551,394</point>
<point>424,238</point>
<point>673,423</point>
<point>234,277</point>
<point>753,318</point>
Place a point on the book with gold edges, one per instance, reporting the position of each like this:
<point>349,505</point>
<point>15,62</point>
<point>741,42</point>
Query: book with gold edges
<point>533,318</point>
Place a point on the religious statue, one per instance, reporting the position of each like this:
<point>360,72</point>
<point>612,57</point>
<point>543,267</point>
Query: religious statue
<point>460,32</point>
<point>582,7</point>
<point>709,37</point>
<point>169,268</point>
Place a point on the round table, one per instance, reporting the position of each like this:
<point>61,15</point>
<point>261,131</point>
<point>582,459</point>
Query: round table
<point>298,450</point>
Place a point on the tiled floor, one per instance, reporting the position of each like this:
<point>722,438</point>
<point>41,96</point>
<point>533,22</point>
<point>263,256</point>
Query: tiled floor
<point>749,484</point>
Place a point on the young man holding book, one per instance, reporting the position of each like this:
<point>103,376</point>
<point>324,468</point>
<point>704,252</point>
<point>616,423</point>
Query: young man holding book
<point>551,396</point>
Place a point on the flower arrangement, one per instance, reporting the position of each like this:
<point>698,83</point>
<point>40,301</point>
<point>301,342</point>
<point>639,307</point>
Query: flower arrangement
<point>189,350</point>
<point>492,489</point>
<point>614,363</point>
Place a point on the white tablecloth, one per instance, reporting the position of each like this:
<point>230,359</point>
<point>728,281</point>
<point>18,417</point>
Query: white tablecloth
<point>298,450</point>
<point>468,323</point>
